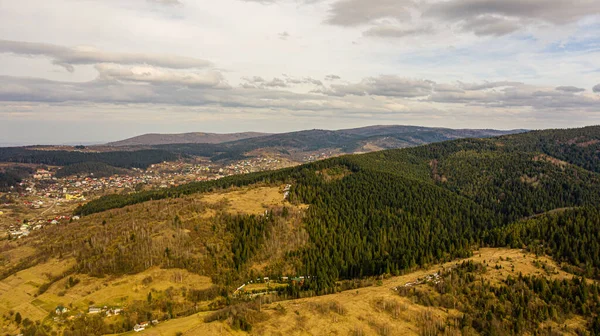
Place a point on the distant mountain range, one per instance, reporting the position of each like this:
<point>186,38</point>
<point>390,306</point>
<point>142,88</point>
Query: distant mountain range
<point>296,145</point>
<point>196,137</point>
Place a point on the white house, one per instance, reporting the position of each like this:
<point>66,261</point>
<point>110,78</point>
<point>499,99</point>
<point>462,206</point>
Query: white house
<point>94,310</point>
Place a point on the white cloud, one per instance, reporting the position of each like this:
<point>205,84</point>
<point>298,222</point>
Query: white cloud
<point>571,89</point>
<point>360,12</point>
<point>68,57</point>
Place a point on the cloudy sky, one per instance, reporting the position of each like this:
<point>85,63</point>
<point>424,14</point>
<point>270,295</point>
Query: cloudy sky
<point>100,70</point>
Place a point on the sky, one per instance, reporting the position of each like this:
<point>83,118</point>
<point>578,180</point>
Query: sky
<point>85,71</point>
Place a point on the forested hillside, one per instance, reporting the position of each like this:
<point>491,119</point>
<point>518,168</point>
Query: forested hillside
<point>397,209</point>
<point>123,159</point>
<point>351,217</point>
<point>12,176</point>
<point>96,169</point>
<point>364,139</point>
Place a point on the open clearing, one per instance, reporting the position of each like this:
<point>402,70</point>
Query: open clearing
<point>17,292</point>
<point>118,291</point>
<point>253,200</point>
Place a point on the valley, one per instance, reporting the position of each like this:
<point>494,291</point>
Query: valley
<point>470,236</point>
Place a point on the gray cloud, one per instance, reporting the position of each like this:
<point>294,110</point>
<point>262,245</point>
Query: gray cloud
<point>284,36</point>
<point>332,77</point>
<point>287,81</point>
<point>491,25</point>
<point>255,79</point>
<point>596,88</point>
<point>155,76</point>
<point>374,95</point>
<point>275,83</point>
<point>359,12</point>
<point>259,82</point>
<point>487,85</point>
<point>572,89</point>
<point>304,80</point>
<point>519,96</point>
<point>499,94</point>
<point>481,17</point>
<point>555,11</point>
<point>448,88</point>
<point>389,31</point>
<point>68,57</point>
<point>387,85</point>
<point>15,89</point>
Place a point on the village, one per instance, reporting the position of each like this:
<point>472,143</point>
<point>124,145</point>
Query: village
<point>44,199</point>
<point>63,314</point>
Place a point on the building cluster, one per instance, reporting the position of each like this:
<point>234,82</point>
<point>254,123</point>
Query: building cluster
<point>20,230</point>
<point>106,310</point>
<point>63,313</point>
<point>44,196</point>
<point>434,278</point>
<point>319,156</point>
<point>286,191</point>
<point>163,175</point>
<point>253,165</point>
<point>143,325</point>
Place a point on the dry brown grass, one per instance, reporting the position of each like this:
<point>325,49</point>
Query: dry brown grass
<point>118,291</point>
<point>376,310</point>
<point>18,291</point>
<point>249,200</point>
<point>553,160</point>
<point>334,174</point>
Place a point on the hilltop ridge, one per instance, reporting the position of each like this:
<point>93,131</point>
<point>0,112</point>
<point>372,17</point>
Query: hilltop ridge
<point>193,137</point>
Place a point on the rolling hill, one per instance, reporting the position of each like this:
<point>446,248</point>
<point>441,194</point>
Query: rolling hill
<point>299,145</point>
<point>197,137</point>
<point>336,226</point>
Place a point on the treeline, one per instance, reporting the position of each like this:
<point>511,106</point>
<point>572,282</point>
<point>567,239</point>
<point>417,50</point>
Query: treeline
<point>96,169</point>
<point>517,306</point>
<point>123,159</point>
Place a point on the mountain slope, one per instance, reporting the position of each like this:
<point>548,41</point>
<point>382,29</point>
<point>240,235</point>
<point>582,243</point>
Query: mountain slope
<point>303,143</point>
<point>123,159</point>
<point>352,218</point>
<point>197,137</point>
<point>392,210</point>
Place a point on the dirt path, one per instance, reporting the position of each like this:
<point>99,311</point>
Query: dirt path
<point>50,208</point>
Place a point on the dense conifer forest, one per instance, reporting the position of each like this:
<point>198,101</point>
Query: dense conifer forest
<point>122,159</point>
